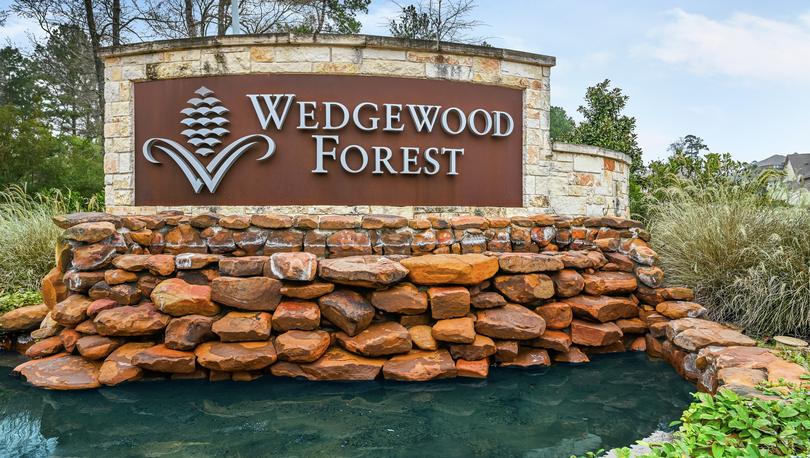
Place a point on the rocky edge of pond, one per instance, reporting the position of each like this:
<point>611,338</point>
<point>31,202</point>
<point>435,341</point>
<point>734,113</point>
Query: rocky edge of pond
<point>355,298</point>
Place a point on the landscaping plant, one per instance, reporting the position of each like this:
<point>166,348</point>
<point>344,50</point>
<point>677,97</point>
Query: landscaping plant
<point>747,258</point>
<point>730,425</point>
<point>27,239</point>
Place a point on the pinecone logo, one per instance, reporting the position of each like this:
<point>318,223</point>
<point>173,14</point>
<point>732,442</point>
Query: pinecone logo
<point>205,120</point>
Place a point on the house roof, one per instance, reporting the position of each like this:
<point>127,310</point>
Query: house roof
<point>800,164</point>
<point>775,161</point>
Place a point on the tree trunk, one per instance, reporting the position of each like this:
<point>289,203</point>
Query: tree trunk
<point>321,16</point>
<point>188,12</point>
<point>116,22</point>
<point>95,43</point>
<point>439,26</point>
<point>222,14</point>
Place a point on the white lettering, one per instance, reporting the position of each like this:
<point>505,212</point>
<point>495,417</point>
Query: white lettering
<point>345,163</point>
<point>382,160</point>
<point>432,161</point>
<point>391,118</point>
<point>462,121</point>
<point>356,117</point>
<point>453,152</point>
<point>409,159</point>
<point>305,115</point>
<point>422,118</point>
<point>500,115</point>
<point>328,108</point>
<point>487,122</point>
<point>320,152</point>
<point>271,102</point>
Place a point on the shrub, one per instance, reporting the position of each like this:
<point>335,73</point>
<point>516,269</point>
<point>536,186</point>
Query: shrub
<point>729,425</point>
<point>15,299</point>
<point>747,259</point>
<point>28,236</point>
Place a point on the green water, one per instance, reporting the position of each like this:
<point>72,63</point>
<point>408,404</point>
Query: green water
<point>553,412</point>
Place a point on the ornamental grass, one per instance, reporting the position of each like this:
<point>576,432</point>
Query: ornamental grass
<point>746,256</point>
<point>28,236</point>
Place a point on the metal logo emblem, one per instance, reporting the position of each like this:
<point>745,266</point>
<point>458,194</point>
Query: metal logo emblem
<point>205,123</point>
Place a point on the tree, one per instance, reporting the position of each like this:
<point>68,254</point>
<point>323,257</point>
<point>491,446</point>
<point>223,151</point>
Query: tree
<point>413,24</point>
<point>69,82</point>
<point>180,18</point>
<point>435,20</point>
<point>562,126</point>
<point>33,157</point>
<point>200,18</point>
<point>604,124</point>
<point>690,145</point>
<point>334,16</point>
<point>103,22</point>
<point>18,81</point>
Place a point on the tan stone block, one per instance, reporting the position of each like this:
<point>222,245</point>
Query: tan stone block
<point>302,54</point>
<point>187,55</point>
<point>336,67</point>
<point>262,54</point>
<point>349,55</point>
<point>281,67</point>
<point>225,62</point>
<point>393,67</point>
<point>387,54</point>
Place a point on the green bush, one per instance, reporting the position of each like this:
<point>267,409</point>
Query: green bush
<point>729,425</point>
<point>31,155</point>
<point>747,259</point>
<point>28,236</point>
<point>15,299</point>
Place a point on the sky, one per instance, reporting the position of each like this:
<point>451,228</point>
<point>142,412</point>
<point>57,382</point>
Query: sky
<point>733,72</point>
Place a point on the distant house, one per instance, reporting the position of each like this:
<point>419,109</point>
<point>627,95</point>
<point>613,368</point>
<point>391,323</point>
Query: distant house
<point>777,161</point>
<point>796,169</point>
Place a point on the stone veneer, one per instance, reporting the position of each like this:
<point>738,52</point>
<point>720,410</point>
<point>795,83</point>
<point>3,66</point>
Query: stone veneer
<point>561,179</point>
<point>119,308</point>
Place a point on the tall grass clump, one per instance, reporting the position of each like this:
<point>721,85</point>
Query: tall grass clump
<point>746,257</point>
<point>28,236</point>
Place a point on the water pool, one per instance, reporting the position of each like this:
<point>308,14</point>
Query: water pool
<point>553,412</point>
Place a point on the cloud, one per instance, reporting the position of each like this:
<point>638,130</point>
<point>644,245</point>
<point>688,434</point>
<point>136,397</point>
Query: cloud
<point>743,46</point>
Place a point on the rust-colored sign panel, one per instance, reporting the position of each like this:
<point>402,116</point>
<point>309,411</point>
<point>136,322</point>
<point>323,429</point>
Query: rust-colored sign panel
<point>327,140</point>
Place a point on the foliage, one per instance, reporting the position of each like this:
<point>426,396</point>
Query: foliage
<point>436,20</point>
<point>800,356</point>
<point>745,256</point>
<point>33,157</point>
<point>729,425</point>
<point>605,125</point>
<point>691,173</point>
<point>691,146</point>
<point>16,299</point>
<point>27,234</point>
<point>18,83</point>
<point>562,126</point>
<point>64,65</point>
<point>332,16</point>
<point>413,24</point>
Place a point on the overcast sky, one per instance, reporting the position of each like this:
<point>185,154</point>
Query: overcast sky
<point>734,72</point>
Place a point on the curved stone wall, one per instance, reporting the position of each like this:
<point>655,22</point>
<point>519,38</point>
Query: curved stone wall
<point>221,306</point>
<point>564,180</point>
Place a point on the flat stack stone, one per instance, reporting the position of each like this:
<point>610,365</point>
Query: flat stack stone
<point>235,297</point>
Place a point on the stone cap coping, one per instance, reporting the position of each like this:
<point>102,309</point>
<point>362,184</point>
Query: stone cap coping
<point>356,41</point>
<point>574,148</point>
<point>338,222</point>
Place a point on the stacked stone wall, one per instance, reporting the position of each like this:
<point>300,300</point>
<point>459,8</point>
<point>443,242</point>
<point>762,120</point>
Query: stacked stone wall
<point>219,299</point>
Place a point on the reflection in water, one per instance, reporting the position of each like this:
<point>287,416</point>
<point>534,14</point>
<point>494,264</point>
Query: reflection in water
<point>553,412</point>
